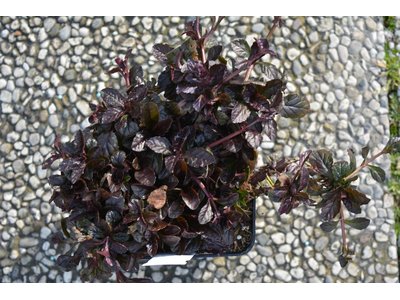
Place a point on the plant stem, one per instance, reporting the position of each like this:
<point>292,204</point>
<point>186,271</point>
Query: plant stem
<point>213,28</point>
<point>205,191</point>
<point>250,68</point>
<point>342,224</point>
<point>247,76</point>
<point>201,40</point>
<point>363,165</point>
<point>232,135</point>
<point>128,84</point>
<point>271,32</point>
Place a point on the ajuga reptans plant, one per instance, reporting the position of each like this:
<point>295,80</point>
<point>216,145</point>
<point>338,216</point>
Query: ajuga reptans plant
<point>169,165</point>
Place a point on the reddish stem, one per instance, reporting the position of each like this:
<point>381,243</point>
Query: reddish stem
<point>205,191</point>
<point>363,165</point>
<point>342,224</point>
<point>232,135</point>
<point>247,76</point>
<point>201,40</point>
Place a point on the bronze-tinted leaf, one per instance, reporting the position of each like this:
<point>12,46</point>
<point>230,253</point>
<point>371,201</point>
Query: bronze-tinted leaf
<point>158,197</point>
<point>150,115</point>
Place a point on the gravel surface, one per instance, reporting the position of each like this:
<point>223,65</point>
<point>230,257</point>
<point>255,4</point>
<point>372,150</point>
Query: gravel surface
<point>51,68</point>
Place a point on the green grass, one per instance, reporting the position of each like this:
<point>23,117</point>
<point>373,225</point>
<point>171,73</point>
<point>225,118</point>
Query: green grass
<point>393,81</point>
<point>390,23</point>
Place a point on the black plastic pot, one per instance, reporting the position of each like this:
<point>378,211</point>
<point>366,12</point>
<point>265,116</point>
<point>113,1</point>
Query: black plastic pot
<point>253,229</point>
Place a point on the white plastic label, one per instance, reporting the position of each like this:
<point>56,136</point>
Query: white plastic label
<point>168,260</point>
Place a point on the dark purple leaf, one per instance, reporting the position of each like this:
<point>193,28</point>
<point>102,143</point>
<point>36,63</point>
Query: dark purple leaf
<point>108,143</point>
<point>152,247</point>
<point>322,161</point>
<point>115,203</point>
<point>176,209</point>
<point>240,113</point>
<point>295,107</point>
<point>57,180</point>
<point>393,141</point>
<point>214,52</point>
<point>190,197</point>
<point>340,169</point>
<point>329,226</point>
<point>118,158</point>
<point>181,137</point>
<point>139,142</point>
<point>146,177</point>
<point>159,145</point>
<point>331,204</point>
<point>269,70</point>
<point>162,127</point>
<point>377,173</point>
<point>170,162</point>
<point>196,68</point>
<point>353,162</point>
<point>79,141</point>
<point>111,114</point>
<point>113,217</point>
<point>241,47</point>
<point>354,199</point>
<point>229,201</point>
<point>358,223</point>
<point>70,164</point>
<point>253,138</point>
<point>270,129</point>
<point>199,103</point>
<point>277,194</point>
<point>199,157</point>
<point>171,240</point>
<point>343,260</point>
<point>304,157</point>
<point>112,97</point>
<point>150,115</point>
<point>170,230</point>
<point>233,145</point>
<point>159,51</point>
<point>205,214</point>
<point>304,179</point>
<point>76,174</point>
<point>66,262</point>
<point>365,151</point>
<point>286,206</point>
